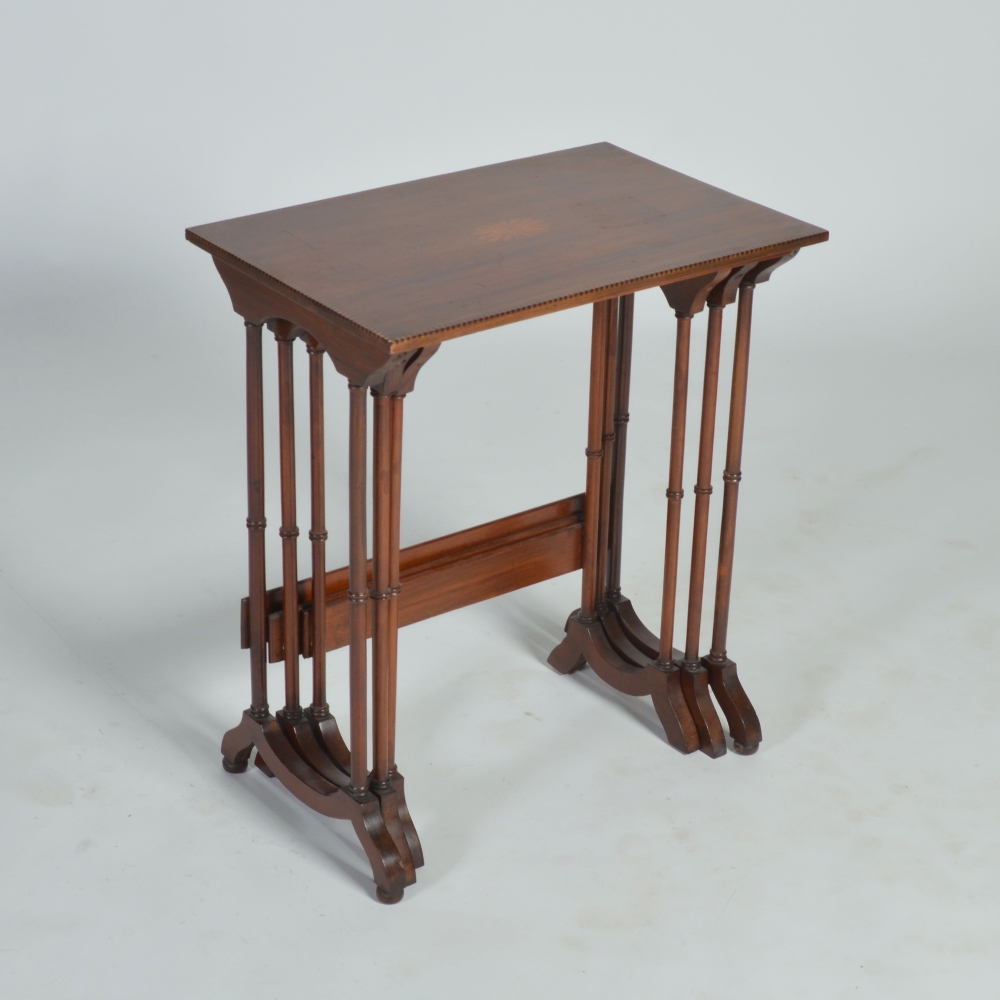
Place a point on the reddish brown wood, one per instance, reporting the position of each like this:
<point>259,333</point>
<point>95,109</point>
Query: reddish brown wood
<point>317,533</point>
<point>733,473</point>
<point>285,335</point>
<point>256,523</point>
<point>592,585</point>
<point>281,758</point>
<point>740,714</point>
<point>595,638</point>
<point>623,369</point>
<point>422,262</point>
<point>378,280</point>
<point>451,572</point>
<point>607,452</point>
<point>675,491</point>
<point>392,610</point>
<point>357,586</point>
<point>381,542</point>
<point>703,486</point>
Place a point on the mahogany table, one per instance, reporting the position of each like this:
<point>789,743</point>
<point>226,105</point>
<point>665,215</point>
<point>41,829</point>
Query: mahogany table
<point>378,281</point>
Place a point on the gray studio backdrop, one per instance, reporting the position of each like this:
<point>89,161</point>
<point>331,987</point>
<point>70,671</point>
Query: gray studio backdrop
<point>570,851</point>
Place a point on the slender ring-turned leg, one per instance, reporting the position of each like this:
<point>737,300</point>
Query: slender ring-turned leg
<point>320,743</point>
<point>694,676</point>
<point>568,655</point>
<point>594,634</point>
<point>743,722</point>
<point>380,590</point>
<point>235,749</point>
<point>393,588</point>
<point>288,531</point>
<point>626,307</point>
<point>358,586</point>
<point>386,783</point>
<point>398,804</point>
<point>675,493</point>
<point>607,453</point>
<point>592,584</point>
<point>317,532</point>
<point>626,633</point>
<point>665,662</point>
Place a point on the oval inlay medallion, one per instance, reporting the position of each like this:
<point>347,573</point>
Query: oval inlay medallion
<point>509,229</point>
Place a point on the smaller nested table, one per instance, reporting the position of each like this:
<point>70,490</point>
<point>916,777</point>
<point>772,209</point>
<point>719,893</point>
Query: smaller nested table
<point>378,281</point>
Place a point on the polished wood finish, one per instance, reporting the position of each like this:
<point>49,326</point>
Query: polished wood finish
<point>357,585</point>
<point>445,574</point>
<point>382,514</point>
<point>285,335</point>
<point>376,281</point>
<point>597,637</point>
<point>600,337</point>
<point>604,529</point>
<point>675,490</point>
<point>623,367</point>
<point>437,258</point>
<point>256,522</point>
<point>317,533</point>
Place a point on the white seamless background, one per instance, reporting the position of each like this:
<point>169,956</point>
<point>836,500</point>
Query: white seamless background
<point>570,852</point>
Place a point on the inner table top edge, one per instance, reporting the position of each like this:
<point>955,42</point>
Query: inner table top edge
<point>404,344</point>
<point>653,280</point>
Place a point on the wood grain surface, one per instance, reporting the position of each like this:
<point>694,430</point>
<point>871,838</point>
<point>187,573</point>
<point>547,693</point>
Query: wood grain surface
<point>422,262</point>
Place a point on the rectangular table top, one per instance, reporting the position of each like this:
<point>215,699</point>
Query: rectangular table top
<point>421,262</point>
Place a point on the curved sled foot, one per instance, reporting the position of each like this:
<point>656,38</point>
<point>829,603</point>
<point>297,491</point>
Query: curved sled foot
<point>602,646</point>
<point>566,657</point>
<point>744,726</point>
<point>237,745</point>
<point>299,754</point>
<point>672,708</point>
<point>392,805</point>
<point>694,682</point>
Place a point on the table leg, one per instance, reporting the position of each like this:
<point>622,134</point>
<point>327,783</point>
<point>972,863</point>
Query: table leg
<point>623,369</point>
<point>235,749</point>
<point>304,749</point>
<point>321,743</point>
<point>386,782</point>
<point>288,531</point>
<point>743,722</point>
<point>694,677</point>
<point>593,634</point>
<point>358,593</point>
<point>607,448</point>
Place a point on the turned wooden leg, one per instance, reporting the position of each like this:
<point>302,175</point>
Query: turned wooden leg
<point>236,751</point>
<point>568,656</point>
<point>289,532</point>
<point>701,713</point>
<point>380,589</point>
<point>304,749</point>
<point>319,740</point>
<point>386,782</point>
<point>687,299</point>
<point>743,722</point>
<point>694,676</point>
<point>319,708</point>
<point>595,634</point>
<point>623,372</point>
<point>593,519</point>
<point>607,453</point>
<point>392,603</point>
<point>358,586</point>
